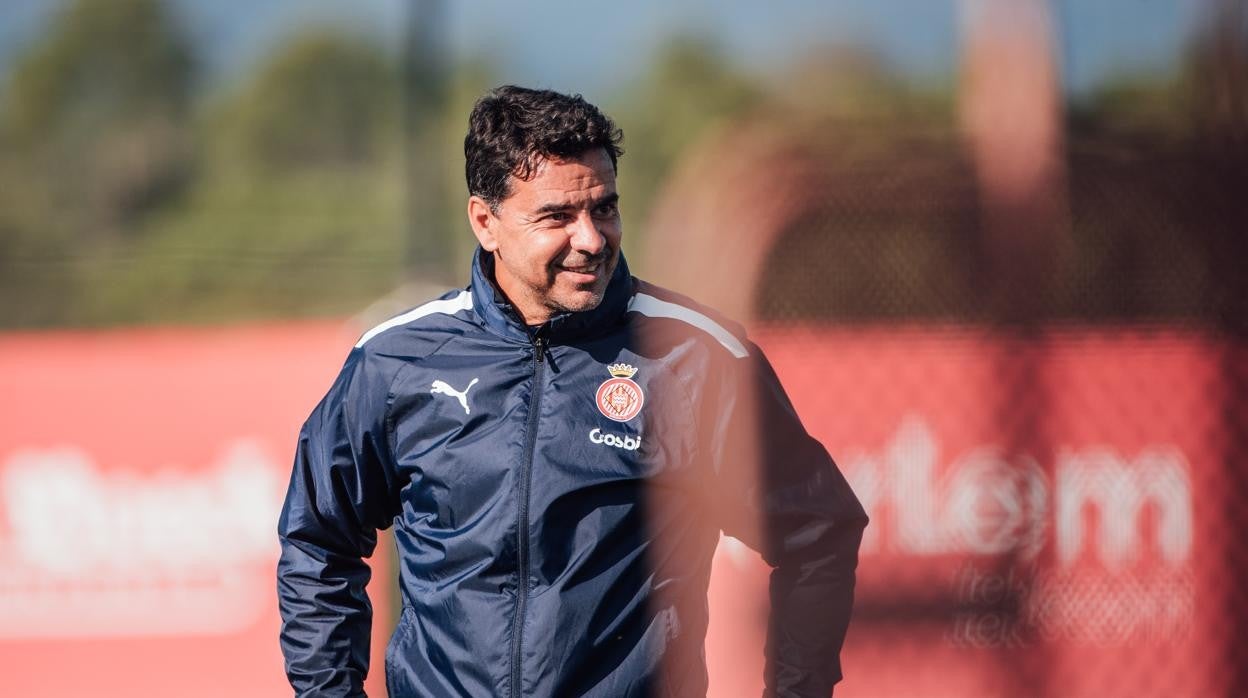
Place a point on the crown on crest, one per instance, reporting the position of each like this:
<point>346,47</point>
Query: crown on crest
<point>621,370</point>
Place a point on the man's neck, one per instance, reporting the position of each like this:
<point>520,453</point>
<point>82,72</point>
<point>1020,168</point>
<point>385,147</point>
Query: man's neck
<point>528,317</point>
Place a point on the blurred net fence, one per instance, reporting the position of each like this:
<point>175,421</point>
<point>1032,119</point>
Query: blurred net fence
<point>1052,461</point>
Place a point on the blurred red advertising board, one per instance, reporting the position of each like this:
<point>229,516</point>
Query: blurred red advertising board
<point>141,472</point>
<point>1047,512</point>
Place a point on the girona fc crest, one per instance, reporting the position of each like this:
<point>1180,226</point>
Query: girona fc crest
<point>619,398</point>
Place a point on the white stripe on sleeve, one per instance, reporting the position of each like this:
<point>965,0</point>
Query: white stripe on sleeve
<point>653,307</point>
<point>447,306</point>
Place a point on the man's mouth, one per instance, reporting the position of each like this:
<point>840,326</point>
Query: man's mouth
<point>583,268</point>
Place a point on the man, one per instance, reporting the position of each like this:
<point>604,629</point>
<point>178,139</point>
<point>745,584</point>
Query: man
<point>558,448</point>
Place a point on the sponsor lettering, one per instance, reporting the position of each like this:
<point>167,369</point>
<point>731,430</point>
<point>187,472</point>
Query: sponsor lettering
<point>1119,528</point>
<point>628,443</point>
<point>93,552</point>
<point>985,503</point>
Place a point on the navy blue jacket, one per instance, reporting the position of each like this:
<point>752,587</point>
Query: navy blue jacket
<point>557,494</point>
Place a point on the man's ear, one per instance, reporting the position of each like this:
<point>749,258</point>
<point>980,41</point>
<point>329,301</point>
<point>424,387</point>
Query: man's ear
<point>482,220</point>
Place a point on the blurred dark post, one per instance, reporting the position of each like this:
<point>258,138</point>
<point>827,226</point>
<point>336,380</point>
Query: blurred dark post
<point>1220,104</point>
<point>1221,111</point>
<point>427,252</point>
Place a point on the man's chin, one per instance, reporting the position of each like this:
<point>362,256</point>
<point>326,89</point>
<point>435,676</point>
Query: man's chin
<point>579,301</point>
<point>572,297</point>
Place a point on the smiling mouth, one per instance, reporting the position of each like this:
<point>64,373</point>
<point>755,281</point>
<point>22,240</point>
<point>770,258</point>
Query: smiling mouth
<point>584,269</point>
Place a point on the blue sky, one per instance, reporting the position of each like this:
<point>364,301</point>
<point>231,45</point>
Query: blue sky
<point>573,45</point>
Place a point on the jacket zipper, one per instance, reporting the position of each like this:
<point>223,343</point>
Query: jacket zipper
<point>522,543</point>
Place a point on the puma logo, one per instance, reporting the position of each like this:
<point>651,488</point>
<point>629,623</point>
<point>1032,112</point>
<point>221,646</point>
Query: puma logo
<point>443,388</point>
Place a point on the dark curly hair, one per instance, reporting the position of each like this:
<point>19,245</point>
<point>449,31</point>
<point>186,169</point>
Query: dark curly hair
<point>512,129</point>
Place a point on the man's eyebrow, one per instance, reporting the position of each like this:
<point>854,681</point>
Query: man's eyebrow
<point>611,198</point>
<point>551,208</point>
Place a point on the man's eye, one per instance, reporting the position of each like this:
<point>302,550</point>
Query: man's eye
<point>606,210</point>
<point>558,217</point>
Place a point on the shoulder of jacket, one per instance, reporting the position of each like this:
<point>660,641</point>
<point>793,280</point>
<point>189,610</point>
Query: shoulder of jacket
<point>657,302</point>
<point>422,322</point>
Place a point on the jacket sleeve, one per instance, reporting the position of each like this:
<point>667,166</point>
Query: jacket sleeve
<point>781,493</point>
<point>342,489</point>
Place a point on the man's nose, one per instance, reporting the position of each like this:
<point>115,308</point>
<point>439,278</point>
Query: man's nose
<point>585,235</point>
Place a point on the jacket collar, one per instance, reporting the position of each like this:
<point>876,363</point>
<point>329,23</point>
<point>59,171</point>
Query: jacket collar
<point>498,315</point>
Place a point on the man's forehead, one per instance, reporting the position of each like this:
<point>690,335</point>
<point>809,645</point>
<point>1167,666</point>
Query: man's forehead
<point>590,161</point>
<point>589,176</point>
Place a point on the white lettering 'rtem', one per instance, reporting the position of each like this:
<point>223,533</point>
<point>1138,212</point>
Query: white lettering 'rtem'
<point>446,306</point>
<point>653,307</point>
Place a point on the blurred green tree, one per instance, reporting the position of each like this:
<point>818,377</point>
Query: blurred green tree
<point>93,125</point>
<point>689,89</point>
<point>297,204</point>
<point>471,79</point>
<point>323,100</point>
<point>99,109</point>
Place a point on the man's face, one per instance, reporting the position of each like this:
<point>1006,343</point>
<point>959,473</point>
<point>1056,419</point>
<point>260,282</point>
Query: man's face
<point>555,238</point>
